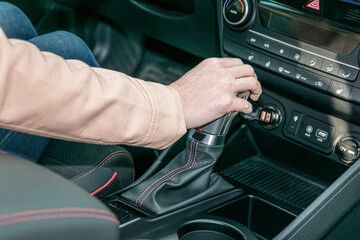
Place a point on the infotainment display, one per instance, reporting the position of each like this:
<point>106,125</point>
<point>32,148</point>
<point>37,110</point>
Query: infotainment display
<point>308,28</point>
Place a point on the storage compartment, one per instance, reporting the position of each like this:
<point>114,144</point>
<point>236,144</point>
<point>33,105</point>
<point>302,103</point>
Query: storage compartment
<point>214,228</point>
<point>261,217</point>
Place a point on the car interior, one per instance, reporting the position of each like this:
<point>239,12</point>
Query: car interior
<point>288,170</point>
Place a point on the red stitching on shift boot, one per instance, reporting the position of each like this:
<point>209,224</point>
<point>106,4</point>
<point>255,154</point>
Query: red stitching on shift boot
<point>166,174</point>
<point>172,175</point>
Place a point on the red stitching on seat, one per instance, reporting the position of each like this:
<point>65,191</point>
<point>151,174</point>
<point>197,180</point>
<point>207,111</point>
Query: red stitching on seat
<point>117,154</point>
<point>105,185</point>
<point>84,174</point>
<point>114,155</point>
<point>172,175</point>
<point>166,174</point>
<point>55,210</point>
<point>58,216</point>
<point>78,174</point>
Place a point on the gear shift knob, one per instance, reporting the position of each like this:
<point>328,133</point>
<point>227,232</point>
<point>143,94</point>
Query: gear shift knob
<point>214,132</point>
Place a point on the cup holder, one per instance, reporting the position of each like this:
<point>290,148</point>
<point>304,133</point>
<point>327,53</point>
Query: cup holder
<point>260,216</point>
<point>214,228</point>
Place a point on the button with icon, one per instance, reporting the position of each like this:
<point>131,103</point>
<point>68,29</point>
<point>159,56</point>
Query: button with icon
<point>297,55</point>
<point>314,61</point>
<point>250,56</point>
<point>294,122</point>
<point>330,67</point>
<point>320,82</point>
<point>302,75</point>
<point>268,62</point>
<point>340,90</point>
<point>281,50</point>
<point>285,69</point>
<point>348,73</point>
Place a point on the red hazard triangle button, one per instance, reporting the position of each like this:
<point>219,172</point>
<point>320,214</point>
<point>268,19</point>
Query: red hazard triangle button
<point>315,4</point>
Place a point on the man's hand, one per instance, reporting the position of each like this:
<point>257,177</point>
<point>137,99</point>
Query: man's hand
<point>209,90</point>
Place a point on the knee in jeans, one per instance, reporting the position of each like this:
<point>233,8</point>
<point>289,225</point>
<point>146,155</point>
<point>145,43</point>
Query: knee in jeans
<point>70,37</point>
<point>8,8</point>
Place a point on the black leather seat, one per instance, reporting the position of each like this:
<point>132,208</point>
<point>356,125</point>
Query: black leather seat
<point>99,169</point>
<point>39,204</point>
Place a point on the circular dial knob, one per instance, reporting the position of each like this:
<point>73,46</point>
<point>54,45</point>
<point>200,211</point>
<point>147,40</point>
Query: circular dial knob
<point>237,12</point>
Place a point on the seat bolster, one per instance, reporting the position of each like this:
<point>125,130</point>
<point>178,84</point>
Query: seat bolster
<point>36,203</point>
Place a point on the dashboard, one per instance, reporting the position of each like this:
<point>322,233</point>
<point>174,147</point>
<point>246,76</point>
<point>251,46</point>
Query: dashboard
<point>306,54</point>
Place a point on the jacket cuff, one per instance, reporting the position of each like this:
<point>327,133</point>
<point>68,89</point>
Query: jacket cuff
<point>168,121</point>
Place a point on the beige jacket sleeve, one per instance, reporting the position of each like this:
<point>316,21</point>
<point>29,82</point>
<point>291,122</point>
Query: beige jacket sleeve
<point>43,94</point>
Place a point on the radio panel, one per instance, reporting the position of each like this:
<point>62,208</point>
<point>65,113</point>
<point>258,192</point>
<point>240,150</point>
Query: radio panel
<point>297,44</point>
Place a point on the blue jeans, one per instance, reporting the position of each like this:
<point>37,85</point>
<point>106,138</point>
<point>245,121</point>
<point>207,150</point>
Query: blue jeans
<point>67,45</point>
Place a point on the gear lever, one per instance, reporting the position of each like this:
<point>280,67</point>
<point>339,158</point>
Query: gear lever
<point>189,177</point>
<point>214,132</point>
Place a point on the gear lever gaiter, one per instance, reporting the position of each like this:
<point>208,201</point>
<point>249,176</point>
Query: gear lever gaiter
<point>189,177</point>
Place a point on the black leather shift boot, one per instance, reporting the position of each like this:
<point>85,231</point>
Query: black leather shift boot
<point>187,179</point>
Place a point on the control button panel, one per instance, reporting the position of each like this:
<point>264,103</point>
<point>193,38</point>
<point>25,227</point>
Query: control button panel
<point>294,54</point>
<point>317,132</point>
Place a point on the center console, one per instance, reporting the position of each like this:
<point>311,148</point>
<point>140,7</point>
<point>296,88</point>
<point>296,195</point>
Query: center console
<point>307,52</point>
<point>295,179</point>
